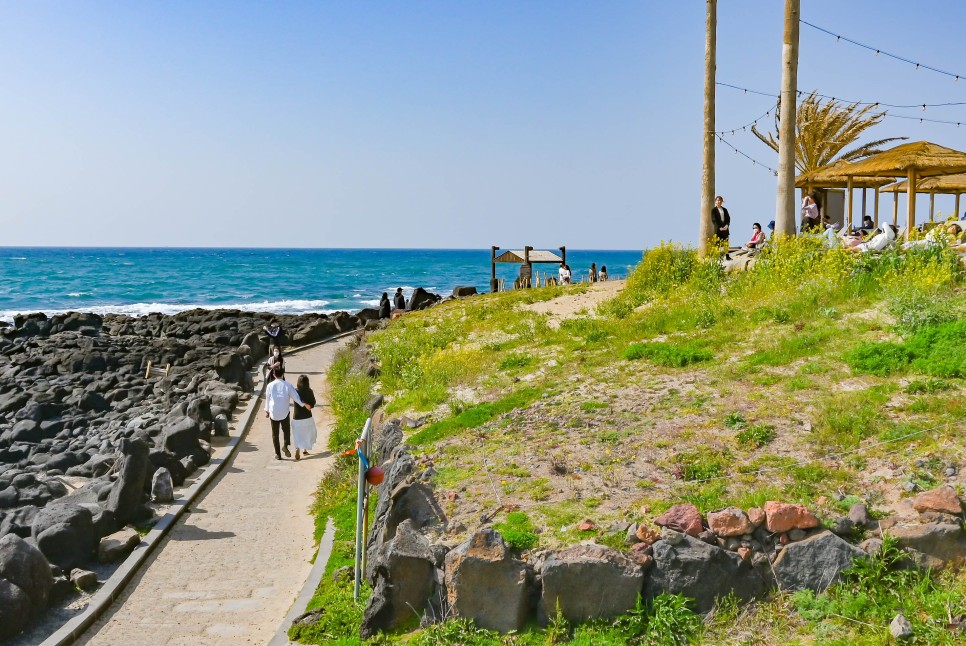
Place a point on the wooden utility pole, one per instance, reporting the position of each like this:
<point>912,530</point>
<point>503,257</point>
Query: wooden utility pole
<point>707,167</point>
<point>785,202</point>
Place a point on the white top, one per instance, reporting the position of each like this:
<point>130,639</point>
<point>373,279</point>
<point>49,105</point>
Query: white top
<point>277,395</point>
<point>809,209</point>
<point>880,241</point>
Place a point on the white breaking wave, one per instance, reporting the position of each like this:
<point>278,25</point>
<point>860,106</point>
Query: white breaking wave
<point>142,309</point>
<point>371,303</point>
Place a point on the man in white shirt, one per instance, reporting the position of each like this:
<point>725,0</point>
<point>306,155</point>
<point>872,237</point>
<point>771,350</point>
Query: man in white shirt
<point>277,395</point>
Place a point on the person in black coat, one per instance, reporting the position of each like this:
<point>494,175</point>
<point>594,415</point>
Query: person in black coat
<point>399,301</point>
<point>385,309</point>
<point>720,219</point>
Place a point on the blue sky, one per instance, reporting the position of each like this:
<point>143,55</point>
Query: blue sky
<point>419,124</point>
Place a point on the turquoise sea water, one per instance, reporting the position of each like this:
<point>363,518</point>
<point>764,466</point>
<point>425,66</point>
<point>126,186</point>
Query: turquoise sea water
<point>140,280</point>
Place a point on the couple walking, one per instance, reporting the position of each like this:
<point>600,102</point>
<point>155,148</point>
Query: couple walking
<point>300,424</point>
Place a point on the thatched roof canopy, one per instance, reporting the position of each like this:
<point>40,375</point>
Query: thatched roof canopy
<point>536,255</point>
<point>924,158</point>
<point>832,176</point>
<point>942,184</point>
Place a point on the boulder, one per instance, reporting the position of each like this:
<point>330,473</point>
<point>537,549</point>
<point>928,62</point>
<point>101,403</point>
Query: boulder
<point>26,430</point>
<point>162,487</point>
<point>688,566</point>
<point>932,545</point>
<point>65,534</point>
<point>683,518</point>
<point>181,437</point>
<point>257,344</point>
<point>943,499</point>
<point>221,425</point>
<point>781,517</point>
<point>404,582</point>
<point>588,582</point>
<point>814,563</point>
<point>117,545</point>
<point>83,579</point>
<point>25,583</point>
<point>126,499</point>
<point>486,584</point>
<point>730,522</point>
<point>421,299</point>
<point>462,291</point>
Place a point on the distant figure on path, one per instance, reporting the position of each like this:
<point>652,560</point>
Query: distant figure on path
<point>277,395</point>
<point>593,272</point>
<point>602,276</point>
<point>304,433</point>
<point>399,301</point>
<point>275,362</point>
<point>757,237</point>
<point>275,332</point>
<point>721,219</point>
<point>385,310</point>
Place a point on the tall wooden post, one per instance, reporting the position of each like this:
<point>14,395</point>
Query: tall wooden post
<point>958,216</point>
<point>932,207</point>
<point>494,285</point>
<point>876,195</point>
<point>705,230</point>
<point>911,207</point>
<point>848,196</point>
<point>785,201</point>
<point>895,208</point>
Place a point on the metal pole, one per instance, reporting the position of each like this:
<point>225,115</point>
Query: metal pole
<point>707,166</point>
<point>360,515</point>
<point>785,200</point>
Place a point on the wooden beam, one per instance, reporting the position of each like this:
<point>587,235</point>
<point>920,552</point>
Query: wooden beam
<point>848,196</point>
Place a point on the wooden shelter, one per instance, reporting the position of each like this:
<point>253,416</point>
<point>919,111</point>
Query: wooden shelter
<point>833,176</point>
<point>939,185</point>
<point>914,161</point>
<point>526,258</point>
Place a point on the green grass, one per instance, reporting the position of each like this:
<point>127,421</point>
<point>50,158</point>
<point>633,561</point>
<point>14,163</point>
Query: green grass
<point>756,436</point>
<point>668,354</point>
<point>518,531</point>
<point>474,417</point>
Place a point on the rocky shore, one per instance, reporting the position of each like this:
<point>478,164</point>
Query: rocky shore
<point>88,441</point>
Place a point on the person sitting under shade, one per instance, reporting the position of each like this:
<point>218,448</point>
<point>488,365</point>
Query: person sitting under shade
<point>757,237</point>
<point>884,236</point>
<point>938,236</point>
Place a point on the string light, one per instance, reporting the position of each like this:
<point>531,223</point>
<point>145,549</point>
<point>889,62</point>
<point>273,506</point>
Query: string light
<point>754,161</point>
<point>774,108</point>
<point>825,96</point>
<point>880,51</point>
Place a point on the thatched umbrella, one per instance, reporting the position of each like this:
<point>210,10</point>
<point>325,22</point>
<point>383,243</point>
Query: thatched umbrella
<point>833,176</point>
<point>940,185</point>
<point>917,160</point>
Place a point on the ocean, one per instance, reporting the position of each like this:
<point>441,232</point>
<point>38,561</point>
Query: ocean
<point>137,281</point>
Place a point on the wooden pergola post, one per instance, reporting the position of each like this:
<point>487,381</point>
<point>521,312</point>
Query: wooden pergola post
<point>563,255</point>
<point>911,207</point>
<point>494,285</point>
<point>848,196</point>
<point>876,210</point>
<point>932,206</point>
<point>957,206</point>
<point>863,204</point>
<point>895,208</point>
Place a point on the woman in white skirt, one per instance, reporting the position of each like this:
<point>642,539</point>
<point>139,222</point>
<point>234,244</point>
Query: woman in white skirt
<point>303,426</point>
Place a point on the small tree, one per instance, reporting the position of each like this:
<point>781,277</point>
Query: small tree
<point>824,130</point>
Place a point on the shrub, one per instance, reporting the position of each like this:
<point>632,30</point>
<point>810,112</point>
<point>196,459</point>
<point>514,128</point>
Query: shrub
<point>668,354</point>
<point>882,359</point>
<point>515,361</point>
<point>518,531</point>
<point>756,436</point>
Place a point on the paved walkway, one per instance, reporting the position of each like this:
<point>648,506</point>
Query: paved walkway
<point>229,571</point>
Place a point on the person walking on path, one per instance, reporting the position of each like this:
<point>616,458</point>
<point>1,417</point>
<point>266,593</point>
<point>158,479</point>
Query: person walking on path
<point>277,395</point>
<point>720,219</point>
<point>399,301</point>
<point>275,362</point>
<point>303,425</point>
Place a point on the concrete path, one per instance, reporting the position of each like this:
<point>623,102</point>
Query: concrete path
<point>230,570</point>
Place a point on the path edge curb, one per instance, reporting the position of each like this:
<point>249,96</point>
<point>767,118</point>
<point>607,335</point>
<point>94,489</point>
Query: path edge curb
<point>74,628</point>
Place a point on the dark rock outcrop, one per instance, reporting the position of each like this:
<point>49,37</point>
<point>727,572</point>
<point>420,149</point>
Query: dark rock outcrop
<point>588,582</point>
<point>814,563</point>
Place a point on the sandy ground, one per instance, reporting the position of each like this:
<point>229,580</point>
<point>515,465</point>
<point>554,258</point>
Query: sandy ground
<point>570,305</point>
<point>229,571</point>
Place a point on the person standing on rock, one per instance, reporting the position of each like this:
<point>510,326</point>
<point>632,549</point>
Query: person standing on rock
<point>304,433</point>
<point>399,301</point>
<point>385,310</point>
<point>275,332</point>
<point>277,395</point>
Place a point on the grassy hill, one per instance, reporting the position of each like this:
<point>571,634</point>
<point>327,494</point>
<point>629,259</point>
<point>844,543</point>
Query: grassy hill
<point>821,377</point>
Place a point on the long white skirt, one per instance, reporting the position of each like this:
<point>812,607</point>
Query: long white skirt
<point>304,433</point>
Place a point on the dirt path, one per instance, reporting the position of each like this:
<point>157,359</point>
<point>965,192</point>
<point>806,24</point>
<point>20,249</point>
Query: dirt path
<point>569,305</point>
<point>230,570</point>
